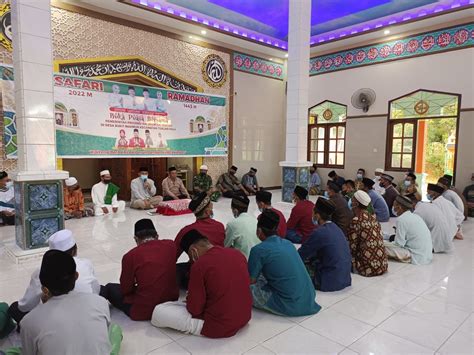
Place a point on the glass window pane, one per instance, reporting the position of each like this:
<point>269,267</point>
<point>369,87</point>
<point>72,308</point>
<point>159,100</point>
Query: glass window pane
<point>313,157</point>
<point>340,132</point>
<point>313,145</point>
<point>332,145</point>
<point>340,145</point>
<point>397,130</point>
<point>396,160</point>
<point>340,158</point>
<point>314,132</point>
<point>321,132</point>
<point>407,145</point>
<point>397,146</point>
<point>332,132</point>
<point>408,130</point>
<point>406,161</point>
<point>321,145</point>
<point>320,158</point>
<point>332,159</point>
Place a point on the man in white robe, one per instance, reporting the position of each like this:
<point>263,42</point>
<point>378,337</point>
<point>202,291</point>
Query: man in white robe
<point>451,195</point>
<point>7,200</point>
<point>378,172</point>
<point>435,194</point>
<point>87,282</point>
<point>442,229</point>
<point>104,196</point>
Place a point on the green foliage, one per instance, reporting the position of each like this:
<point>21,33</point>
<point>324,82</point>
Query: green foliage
<point>438,132</point>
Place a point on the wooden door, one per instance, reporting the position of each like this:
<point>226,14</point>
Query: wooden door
<point>157,170</point>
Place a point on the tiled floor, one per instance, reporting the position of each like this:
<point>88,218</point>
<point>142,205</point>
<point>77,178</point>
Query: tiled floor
<point>410,310</point>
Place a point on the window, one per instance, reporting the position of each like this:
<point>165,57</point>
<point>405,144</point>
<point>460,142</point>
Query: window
<point>327,134</point>
<point>422,133</point>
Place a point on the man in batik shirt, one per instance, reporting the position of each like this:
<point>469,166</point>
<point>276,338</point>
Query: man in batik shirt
<point>369,257</point>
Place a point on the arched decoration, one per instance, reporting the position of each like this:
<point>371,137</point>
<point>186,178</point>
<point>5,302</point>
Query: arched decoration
<point>413,132</point>
<point>135,70</point>
<point>327,134</point>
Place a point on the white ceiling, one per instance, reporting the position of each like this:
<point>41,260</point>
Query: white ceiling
<point>149,18</point>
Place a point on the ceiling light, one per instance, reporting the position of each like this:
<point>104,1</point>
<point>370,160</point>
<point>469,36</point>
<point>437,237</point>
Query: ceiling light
<point>270,58</point>
<point>286,55</point>
<point>203,32</point>
<point>191,37</point>
<point>386,32</point>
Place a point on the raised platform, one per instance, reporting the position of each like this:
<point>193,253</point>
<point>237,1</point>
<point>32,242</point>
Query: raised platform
<point>20,256</point>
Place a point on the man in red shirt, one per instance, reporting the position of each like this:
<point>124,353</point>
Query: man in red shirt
<point>148,275</point>
<point>264,202</point>
<point>201,206</point>
<point>219,302</point>
<point>300,225</point>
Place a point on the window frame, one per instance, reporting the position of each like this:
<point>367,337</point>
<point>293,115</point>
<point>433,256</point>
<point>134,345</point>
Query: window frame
<point>392,122</point>
<point>327,127</point>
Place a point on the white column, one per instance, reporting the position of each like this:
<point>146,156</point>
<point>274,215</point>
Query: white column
<point>295,167</point>
<point>298,80</point>
<point>33,69</point>
<point>38,185</point>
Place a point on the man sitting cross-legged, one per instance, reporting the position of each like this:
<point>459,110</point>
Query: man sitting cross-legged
<point>218,303</point>
<point>148,274</point>
<point>326,253</point>
<point>264,202</point>
<point>241,231</point>
<point>205,224</point>
<point>87,283</point>
<point>280,283</point>
<point>67,322</point>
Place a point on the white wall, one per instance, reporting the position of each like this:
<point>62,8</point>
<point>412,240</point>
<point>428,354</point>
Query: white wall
<point>259,126</point>
<point>449,72</point>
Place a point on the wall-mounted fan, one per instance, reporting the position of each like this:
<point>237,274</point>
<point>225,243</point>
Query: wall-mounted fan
<point>363,99</point>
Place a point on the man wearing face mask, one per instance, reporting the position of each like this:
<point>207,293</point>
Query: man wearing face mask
<point>410,186</point>
<point>365,239</point>
<point>378,173</point>
<point>218,302</point>
<point>148,275</point>
<point>104,196</point>
<point>435,195</point>
<point>144,191</point>
<point>326,253</point>
<point>279,281</point>
<point>201,205</point>
<point>240,232</point>
<point>390,192</point>
<point>264,202</point>
<point>412,242</point>
<point>74,200</point>
<point>358,180</point>
<point>342,215</point>
<point>300,224</point>
<point>202,182</point>
<point>7,200</point>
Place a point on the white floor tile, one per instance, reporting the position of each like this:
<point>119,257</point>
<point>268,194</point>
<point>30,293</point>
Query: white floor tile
<point>173,348</point>
<point>299,340</point>
<point>459,343</point>
<point>348,351</point>
<point>260,350</point>
<point>337,327</point>
<point>380,342</point>
<point>386,295</point>
<point>370,312</point>
<point>426,333</point>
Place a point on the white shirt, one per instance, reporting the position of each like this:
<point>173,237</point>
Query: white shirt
<point>149,104</point>
<point>71,324</point>
<point>86,283</point>
<point>115,100</point>
<point>442,229</point>
<point>449,210</point>
<point>377,187</point>
<point>98,195</point>
<point>130,102</point>
<point>7,196</point>
<point>454,198</point>
<point>413,234</point>
<point>139,192</point>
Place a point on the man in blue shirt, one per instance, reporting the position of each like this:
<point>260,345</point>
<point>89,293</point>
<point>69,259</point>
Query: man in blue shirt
<point>336,178</point>
<point>378,202</point>
<point>326,253</point>
<point>279,281</point>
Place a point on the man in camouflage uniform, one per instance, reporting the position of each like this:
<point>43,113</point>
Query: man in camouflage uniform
<point>203,183</point>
